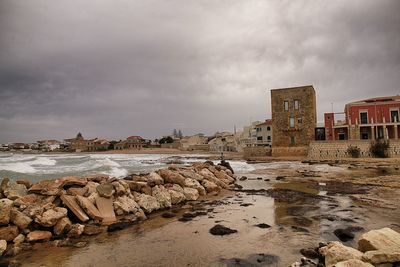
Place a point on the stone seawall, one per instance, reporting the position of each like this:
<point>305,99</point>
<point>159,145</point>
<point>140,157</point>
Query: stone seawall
<point>256,152</point>
<point>289,151</point>
<point>338,149</point>
<point>64,209</point>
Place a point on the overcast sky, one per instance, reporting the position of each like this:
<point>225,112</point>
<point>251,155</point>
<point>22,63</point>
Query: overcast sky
<point>112,69</point>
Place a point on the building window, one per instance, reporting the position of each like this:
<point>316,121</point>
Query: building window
<point>299,120</point>
<point>296,104</point>
<point>291,122</point>
<point>259,138</point>
<point>394,115</point>
<point>286,105</point>
<point>268,138</point>
<point>268,128</point>
<point>364,117</point>
<point>292,140</point>
<point>364,136</point>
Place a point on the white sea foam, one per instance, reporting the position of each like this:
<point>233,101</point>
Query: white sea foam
<point>19,167</point>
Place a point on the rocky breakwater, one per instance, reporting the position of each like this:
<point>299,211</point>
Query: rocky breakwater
<point>64,209</point>
<point>379,248</point>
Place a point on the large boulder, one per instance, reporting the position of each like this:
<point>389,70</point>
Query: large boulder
<point>190,193</point>
<point>119,188</point>
<point>139,186</point>
<point>91,188</point>
<point>382,256</point>
<point>336,252</point>
<point>207,174</point>
<point>162,195</point>
<point>8,233</point>
<point>47,187</point>
<point>147,203</point>
<point>90,209</point>
<point>62,226</point>
<point>154,179</point>
<point>353,263</point>
<point>210,186</point>
<point>50,217</point>
<point>71,203</point>
<point>192,183</point>
<point>384,238</point>
<point>76,230</point>
<point>5,209</point>
<point>191,174</point>
<point>172,177</point>
<point>176,194</point>
<point>28,200</point>
<point>20,219</point>
<point>14,190</point>
<point>73,180</point>
<point>105,190</point>
<point>125,205</point>
<point>38,235</point>
<point>3,246</point>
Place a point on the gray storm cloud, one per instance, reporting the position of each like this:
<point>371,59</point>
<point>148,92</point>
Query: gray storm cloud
<point>117,68</point>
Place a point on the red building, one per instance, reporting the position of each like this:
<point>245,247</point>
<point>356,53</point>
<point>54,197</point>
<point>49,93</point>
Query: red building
<point>374,118</point>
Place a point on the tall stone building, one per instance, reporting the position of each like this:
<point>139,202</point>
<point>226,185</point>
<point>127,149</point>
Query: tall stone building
<point>293,116</point>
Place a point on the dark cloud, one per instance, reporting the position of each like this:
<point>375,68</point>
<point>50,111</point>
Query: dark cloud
<point>113,69</point>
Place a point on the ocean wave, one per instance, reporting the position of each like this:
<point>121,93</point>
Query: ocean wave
<point>18,167</point>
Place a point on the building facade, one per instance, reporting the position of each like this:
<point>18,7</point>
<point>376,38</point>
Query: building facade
<point>264,134</point>
<point>294,116</point>
<point>132,142</point>
<point>374,118</point>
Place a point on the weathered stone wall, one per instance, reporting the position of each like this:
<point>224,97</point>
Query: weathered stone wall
<point>304,117</point>
<point>338,149</point>
<point>290,151</point>
<point>256,152</point>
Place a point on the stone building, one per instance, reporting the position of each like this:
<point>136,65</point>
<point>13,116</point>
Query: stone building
<point>132,142</point>
<point>293,116</point>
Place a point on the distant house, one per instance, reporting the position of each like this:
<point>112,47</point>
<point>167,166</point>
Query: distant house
<point>224,141</point>
<point>264,133</point>
<point>374,118</point>
<point>79,144</point>
<point>194,142</point>
<point>48,145</point>
<point>132,142</point>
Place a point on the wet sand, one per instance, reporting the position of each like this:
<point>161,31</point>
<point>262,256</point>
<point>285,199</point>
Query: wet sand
<point>303,207</point>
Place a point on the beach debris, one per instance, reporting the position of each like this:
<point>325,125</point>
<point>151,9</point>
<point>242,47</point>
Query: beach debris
<point>219,229</point>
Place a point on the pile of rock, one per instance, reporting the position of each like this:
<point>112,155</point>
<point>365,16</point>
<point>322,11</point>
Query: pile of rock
<point>71,206</point>
<point>375,248</point>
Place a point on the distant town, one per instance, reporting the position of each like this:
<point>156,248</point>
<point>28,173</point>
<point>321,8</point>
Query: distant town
<point>292,130</point>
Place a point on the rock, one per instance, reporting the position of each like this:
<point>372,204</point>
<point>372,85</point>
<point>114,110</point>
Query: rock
<point>71,203</point>
<point>138,186</point>
<point>309,253</point>
<point>192,183</point>
<point>76,230</point>
<point>28,200</point>
<point>353,263</point>
<point>125,205</point>
<point>207,174</point>
<point>20,219</point>
<point>154,179</point>
<point>77,191</point>
<point>119,188</point>
<point>105,190</point>
<point>3,246</point>
<point>148,203</point>
<point>120,225</point>
<point>243,178</point>
<point>89,207</point>
<point>50,217</point>
<point>221,230</point>
<point>210,186</point>
<point>263,225</point>
<point>62,226</point>
<point>38,235</point>
<point>5,210</point>
<point>14,190</point>
<point>162,195</point>
<point>190,193</point>
<point>191,174</point>
<point>8,233</point>
<point>344,235</point>
<point>73,180</point>
<point>24,182</point>
<point>172,177</point>
<point>382,256</point>
<point>176,196</point>
<point>19,239</point>
<point>47,187</point>
<point>91,187</point>
<point>336,252</point>
<point>93,229</point>
<point>168,215</point>
<point>106,209</point>
<point>384,238</point>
